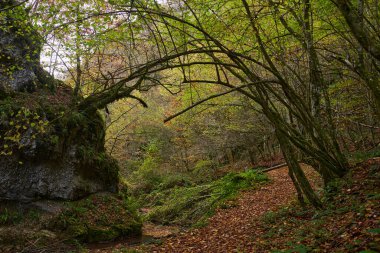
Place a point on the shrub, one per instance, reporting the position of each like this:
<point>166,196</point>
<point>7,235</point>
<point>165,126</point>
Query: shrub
<point>204,171</point>
<point>147,177</point>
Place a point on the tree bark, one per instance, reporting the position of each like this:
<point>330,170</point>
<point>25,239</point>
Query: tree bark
<point>295,169</point>
<point>362,34</point>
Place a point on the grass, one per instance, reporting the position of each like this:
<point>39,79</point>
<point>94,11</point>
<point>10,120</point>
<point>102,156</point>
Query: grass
<point>8,217</point>
<point>360,156</point>
<point>101,217</point>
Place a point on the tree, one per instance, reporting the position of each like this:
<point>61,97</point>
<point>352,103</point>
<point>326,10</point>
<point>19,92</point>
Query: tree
<point>362,20</point>
<point>274,55</point>
<point>263,79</point>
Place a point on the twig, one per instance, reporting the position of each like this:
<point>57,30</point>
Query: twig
<point>13,6</point>
<point>362,124</point>
<point>274,167</point>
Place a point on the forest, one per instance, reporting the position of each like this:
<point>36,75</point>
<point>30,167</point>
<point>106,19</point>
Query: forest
<point>190,126</point>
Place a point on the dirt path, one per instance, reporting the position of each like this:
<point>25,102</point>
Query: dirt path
<point>233,229</point>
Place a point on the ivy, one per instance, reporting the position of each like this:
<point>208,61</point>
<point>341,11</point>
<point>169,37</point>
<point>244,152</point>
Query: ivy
<point>23,126</point>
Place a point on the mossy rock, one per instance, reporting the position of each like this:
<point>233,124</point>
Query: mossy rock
<point>132,228</point>
<point>102,234</point>
<point>98,218</point>
<point>43,140</point>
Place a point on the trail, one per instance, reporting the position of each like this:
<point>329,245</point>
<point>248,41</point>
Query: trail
<point>233,229</point>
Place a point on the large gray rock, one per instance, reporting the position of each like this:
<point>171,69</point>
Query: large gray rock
<point>65,179</point>
<point>72,166</point>
<point>67,159</point>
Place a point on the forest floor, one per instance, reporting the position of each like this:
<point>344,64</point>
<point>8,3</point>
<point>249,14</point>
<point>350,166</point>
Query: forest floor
<point>265,218</point>
<point>232,230</point>
<point>229,230</point>
<point>268,219</point>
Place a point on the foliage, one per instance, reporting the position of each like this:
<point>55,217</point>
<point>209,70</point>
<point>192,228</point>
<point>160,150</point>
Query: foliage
<point>188,205</point>
<point>119,48</point>
<point>264,77</point>
<point>343,226</point>
<point>20,127</point>
<point>204,170</point>
<point>14,216</point>
<point>147,174</point>
<point>9,217</point>
<point>101,217</point>
<point>360,156</point>
<point>21,123</point>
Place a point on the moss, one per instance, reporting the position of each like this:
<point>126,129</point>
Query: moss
<point>7,106</point>
<point>101,234</point>
<point>3,94</point>
<point>70,126</point>
<point>100,164</point>
<point>77,230</point>
<point>66,128</point>
<point>188,205</point>
<point>132,228</point>
<point>98,218</point>
<point>107,167</point>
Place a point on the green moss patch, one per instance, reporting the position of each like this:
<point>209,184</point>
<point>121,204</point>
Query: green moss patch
<point>192,205</point>
<point>42,127</point>
<point>98,218</point>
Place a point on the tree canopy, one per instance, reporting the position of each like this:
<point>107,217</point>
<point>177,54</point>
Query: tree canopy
<point>286,61</point>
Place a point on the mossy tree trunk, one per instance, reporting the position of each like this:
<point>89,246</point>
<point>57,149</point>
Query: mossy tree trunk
<point>300,181</point>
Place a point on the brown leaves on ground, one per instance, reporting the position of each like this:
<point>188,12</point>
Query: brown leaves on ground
<point>263,220</point>
<point>349,223</point>
<point>232,230</point>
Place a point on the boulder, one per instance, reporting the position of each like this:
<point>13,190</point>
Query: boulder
<point>67,178</point>
<point>48,149</point>
<point>61,159</point>
<point>81,220</point>
<point>53,226</point>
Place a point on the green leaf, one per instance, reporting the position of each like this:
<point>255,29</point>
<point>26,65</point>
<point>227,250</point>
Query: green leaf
<point>374,231</point>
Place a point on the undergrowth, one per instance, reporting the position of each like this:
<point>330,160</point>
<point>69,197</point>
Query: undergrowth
<point>101,217</point>
<point>360,155</point>
<point>349,221</point>
<point>192,204</point>
<point>11,216</point>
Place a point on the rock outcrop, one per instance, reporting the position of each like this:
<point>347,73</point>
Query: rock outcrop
<point>51,154</point>
<point>48,150</point>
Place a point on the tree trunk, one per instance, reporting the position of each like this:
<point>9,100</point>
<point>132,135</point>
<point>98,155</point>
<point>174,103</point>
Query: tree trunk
<point>362,34</point>
<point>295,169</point>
